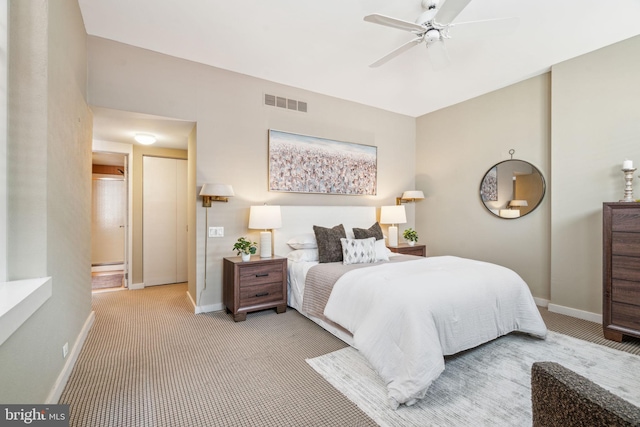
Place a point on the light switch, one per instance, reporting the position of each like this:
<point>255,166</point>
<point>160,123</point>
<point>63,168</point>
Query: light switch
<point>216,231</point>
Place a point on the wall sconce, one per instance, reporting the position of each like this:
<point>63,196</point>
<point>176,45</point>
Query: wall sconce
<point>215,193</point>
<point>410,196</point>
<point>209,193</point>
<point>265,218</point>
<point>393,215</point>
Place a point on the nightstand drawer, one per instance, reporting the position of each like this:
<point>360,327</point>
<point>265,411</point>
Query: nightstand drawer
<point>258,294</point>
<point>251,275</point>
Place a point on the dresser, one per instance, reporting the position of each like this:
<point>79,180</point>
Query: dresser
<point>253,285</point>
<point>406,249</point>
<point>621,270</point>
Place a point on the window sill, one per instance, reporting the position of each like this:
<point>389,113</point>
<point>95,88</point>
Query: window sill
<point>19,300</point>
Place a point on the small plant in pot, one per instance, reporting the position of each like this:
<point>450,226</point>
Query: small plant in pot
<point>245,248</point>
<point>411,236</point>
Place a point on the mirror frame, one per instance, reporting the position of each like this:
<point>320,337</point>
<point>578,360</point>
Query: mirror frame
<point>535,169</point>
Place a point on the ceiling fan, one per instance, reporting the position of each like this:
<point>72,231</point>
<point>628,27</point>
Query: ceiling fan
<point>431,27</point>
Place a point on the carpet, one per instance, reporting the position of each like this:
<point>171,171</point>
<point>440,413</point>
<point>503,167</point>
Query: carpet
<point>489,385</point>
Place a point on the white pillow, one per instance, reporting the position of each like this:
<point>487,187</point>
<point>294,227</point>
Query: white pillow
<point>358,251</point>
<point>382,252</point>
<point>303,241</point>
<point>303,255</point>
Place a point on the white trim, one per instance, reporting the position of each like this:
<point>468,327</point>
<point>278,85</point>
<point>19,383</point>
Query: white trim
<point>197,309</point>
<point>61,381</point>
<point>574,312</point>
<point>126,149</point>
<point>19,299</point>
<point>541,302</point>
<point>136,286</point>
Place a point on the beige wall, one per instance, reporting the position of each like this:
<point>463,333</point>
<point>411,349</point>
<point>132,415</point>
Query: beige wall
<point>577,124</point>
<point>232,125</point>
<point>455,148</point>
<point>139,151</point>
<point>49,190</point>
<point>596,126</point>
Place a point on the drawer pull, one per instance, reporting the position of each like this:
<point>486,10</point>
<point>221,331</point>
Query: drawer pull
<point>262,294</point>
<point>262,275</point>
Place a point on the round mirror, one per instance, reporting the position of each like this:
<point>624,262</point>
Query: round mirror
<point>512,188</point>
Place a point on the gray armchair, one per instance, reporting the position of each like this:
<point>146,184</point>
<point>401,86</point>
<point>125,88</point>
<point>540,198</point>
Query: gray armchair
<point>562,398</point>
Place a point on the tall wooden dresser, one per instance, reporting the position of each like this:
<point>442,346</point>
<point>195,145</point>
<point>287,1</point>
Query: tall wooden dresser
<point>621,270</point>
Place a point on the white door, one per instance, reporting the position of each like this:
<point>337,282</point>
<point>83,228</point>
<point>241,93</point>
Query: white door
<point>108,221</point>
<point>164,237</point>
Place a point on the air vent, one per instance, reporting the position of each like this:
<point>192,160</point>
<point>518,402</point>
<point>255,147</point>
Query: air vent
<point>281,102</point>
<point>270,100</point>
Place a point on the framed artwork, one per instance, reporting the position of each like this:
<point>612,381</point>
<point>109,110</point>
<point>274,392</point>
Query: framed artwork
<point>307,164</point>
<point>489,186</point>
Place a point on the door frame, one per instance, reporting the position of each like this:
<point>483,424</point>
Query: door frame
<point>127,151</point>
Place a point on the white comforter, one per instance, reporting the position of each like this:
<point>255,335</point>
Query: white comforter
<point>406,316</point>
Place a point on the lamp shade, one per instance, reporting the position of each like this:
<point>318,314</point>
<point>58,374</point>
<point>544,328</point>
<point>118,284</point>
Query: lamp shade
<point>413,195</point>
<point>518,203</point>
<point>265,217</point>
<point>221,190</point>
<point>393,215</point>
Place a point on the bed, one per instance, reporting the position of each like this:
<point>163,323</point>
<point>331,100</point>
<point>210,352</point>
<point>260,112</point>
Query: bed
<point>403,313</point>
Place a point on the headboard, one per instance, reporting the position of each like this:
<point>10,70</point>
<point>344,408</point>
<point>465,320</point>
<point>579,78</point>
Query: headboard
<point>297,220</point>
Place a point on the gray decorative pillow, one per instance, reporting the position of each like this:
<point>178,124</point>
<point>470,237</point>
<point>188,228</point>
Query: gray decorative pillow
<point>329,246</point>
<point>373,231</point>
<point>358,251</point>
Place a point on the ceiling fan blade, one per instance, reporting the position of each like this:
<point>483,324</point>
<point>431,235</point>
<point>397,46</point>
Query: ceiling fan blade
<point>438,55</point>
<point>486,27</point>
<point>376,18</point>
<point>408,45</point>
<point>448,11</point>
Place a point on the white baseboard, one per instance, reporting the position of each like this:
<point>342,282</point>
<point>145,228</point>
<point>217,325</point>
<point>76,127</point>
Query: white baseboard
<point>540,302</point>
<point>61,381</point>
<point>136,286</point>
<point>197,309</point>
<point>574,312</point>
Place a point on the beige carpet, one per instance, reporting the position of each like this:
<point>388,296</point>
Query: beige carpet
<point>149,361</point>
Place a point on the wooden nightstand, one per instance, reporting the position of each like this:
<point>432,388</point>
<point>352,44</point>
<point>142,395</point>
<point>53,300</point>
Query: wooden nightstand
<point>405,249</point>
<point>253,285</point>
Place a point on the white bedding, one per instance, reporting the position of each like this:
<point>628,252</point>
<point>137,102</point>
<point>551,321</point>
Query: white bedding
<point>405,317</point>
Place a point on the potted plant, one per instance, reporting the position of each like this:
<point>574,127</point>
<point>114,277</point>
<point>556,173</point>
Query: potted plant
<point>245,248</point>
<point>411,236</point>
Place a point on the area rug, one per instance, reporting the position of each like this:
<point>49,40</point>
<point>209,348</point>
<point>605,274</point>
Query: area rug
<point>106,280</point>
<point>489,385</point>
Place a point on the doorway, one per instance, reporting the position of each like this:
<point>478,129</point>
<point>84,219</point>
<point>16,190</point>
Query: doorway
<point>109,221</point>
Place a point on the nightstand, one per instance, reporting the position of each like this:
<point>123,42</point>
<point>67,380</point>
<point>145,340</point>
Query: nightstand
<point>405,249</point>
<point>253,285</point>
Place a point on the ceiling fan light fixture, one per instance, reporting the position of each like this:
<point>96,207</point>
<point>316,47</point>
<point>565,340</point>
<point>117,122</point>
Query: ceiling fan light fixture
<point>145,138</point>
<point>432,35</point>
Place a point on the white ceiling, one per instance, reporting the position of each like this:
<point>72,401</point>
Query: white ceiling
<point>122,126</point>
<point>325,46</point>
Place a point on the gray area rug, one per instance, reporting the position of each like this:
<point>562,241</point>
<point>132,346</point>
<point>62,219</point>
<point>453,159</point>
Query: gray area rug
<point>489,385</point>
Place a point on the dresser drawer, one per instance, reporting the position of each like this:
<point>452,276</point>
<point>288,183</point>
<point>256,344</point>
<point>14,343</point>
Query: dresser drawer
<point>625,292</point>
<point>623,243</point>
<point>625,315</point>
<point>251,275</point>
<point>625,268</point>
<point>625,220</point>
<point>258,294</point>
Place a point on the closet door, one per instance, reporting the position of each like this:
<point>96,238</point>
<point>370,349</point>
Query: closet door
<point>164,237</point>
<point>181,221</point>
